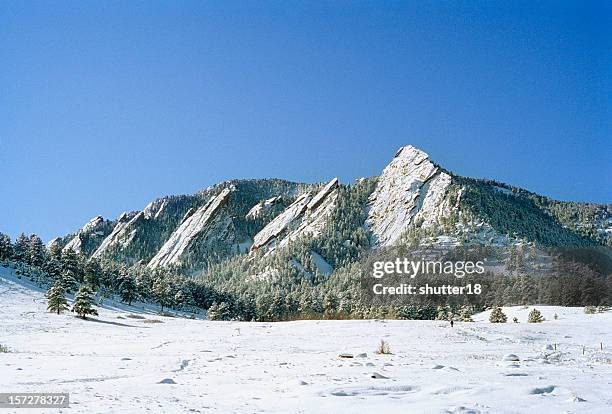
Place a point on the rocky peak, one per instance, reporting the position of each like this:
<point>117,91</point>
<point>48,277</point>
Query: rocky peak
<point>172,250</point>
<point>155,208</point>
<point>93,227</point>
<point>410,189</point>
<point>122,223</point>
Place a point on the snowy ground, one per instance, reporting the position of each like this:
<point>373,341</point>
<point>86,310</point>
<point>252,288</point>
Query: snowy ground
<point>116,365</point>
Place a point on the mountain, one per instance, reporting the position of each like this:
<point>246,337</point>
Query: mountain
<point>316,228</point>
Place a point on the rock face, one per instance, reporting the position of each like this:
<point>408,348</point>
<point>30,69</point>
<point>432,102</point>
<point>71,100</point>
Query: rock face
<point>94,232</point>
<point>179,241</point>
<point>258,208</point>
<point>115,236</point>
<point>410,189</point>
<point>306,216</point>
<point>281,222</point>
<point>139,235</point>
<point>155,208</point>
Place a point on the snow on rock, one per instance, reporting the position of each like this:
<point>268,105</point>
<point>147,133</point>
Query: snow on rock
<point>188,214</point>
<point>171,251</point>
<point>155,208</point>
<point>116,235</point>
<point>305,217</point>
<point>322,194</point>
<point>281,222</point>
<point>410,189</point>
<point>94,225</point>
<point>258,208</point>
<point>316,215</point>
<point>53,242</point>
<point>324,268</point>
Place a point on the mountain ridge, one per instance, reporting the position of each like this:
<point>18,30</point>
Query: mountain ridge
<point>412,199</point>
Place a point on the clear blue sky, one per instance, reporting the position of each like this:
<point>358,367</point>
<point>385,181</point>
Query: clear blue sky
<point>107,105</point>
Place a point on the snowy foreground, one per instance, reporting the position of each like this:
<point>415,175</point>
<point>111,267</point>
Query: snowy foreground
<point>125,365</point>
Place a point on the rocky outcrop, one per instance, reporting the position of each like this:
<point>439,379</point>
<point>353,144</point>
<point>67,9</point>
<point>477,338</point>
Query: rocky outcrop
<point>262,206</point>
<point>281,222</point>
<point>95,229</point>
<point>155,208</point>
<point>173,249</point>
<point>118,231</point>
<point>306,216</point>
<point>411,189</point>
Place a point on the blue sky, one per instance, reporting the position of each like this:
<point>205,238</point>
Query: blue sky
<point>108,105</point>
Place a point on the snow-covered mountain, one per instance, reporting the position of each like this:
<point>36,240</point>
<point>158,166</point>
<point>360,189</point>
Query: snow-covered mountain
<point>414,200</point>
<point>410,190</point>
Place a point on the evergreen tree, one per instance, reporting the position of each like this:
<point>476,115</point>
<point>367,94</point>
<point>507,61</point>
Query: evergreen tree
<point>6,247</point>
<point>53,268</point>
<point>93,273</point>
<point>179,299</point>
<point>498,316</point>
<point>55,251</point>
<point>219,312</point>
<point>465,313</point>
<point>162,291</point>
<point>71,269</point>
<point>20,250</point>
<point>56,297</point>
<point>535,316</point>
<point>83,303</point>
<point>128,289</point>
<point>37,253</point>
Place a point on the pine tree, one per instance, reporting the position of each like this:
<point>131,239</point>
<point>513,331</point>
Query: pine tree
<point>56,299</point>
<point>71,270</point>
<point>6,247</point>
<point>53,268</point>
<point>37,253</point>
<point>127,289</point>
<point>219,312</point>
<point>93,273</point>
<point>55,251</point>
<point>162,291</point>
<point>465,313</point>
<point>497,316</point>
<point>20,250</point>
<point>535,316</point>
<point>82,303</point>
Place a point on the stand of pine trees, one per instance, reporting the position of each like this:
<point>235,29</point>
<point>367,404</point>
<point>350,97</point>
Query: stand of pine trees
<point>228,290</point>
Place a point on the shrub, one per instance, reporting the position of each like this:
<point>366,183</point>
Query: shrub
<point>590,310</point>
<point>383,348</point>
<point>498,316</point>
<point>4,349</point>
<point>535,316</point>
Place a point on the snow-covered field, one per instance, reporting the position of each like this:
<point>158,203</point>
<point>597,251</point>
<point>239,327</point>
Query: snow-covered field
<point>116,363</point>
